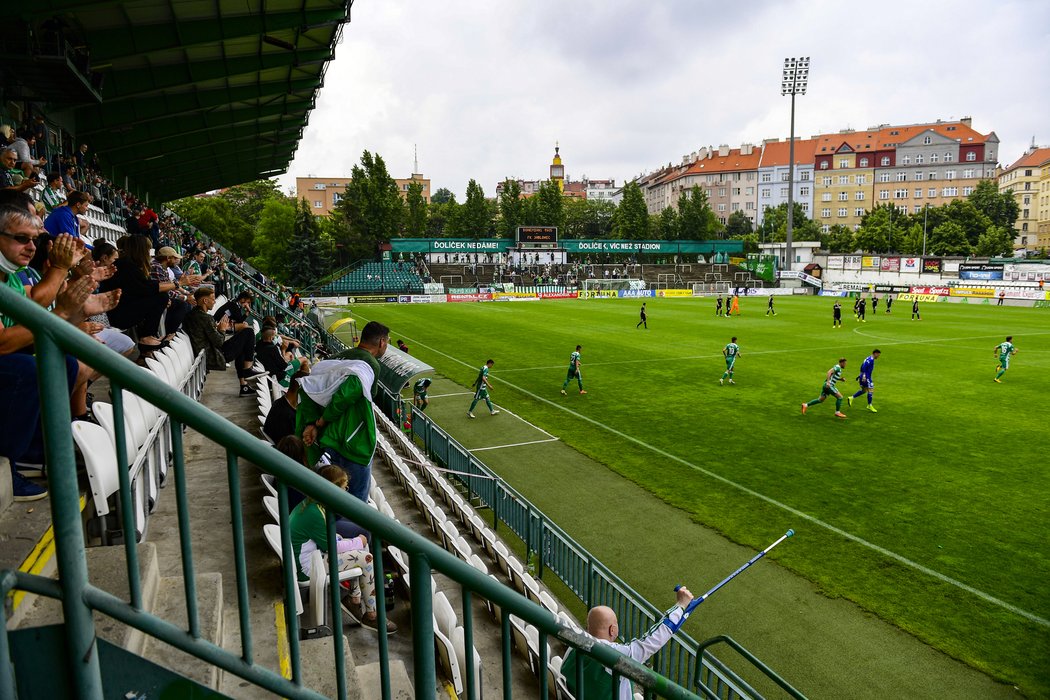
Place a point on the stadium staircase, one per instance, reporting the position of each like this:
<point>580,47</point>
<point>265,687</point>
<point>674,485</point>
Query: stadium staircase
<point>154,613</point>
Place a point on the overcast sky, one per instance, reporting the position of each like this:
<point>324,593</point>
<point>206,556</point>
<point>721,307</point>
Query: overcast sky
<point>484,88</point>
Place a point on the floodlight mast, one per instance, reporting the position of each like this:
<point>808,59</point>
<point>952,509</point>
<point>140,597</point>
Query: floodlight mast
<point>795,82</point>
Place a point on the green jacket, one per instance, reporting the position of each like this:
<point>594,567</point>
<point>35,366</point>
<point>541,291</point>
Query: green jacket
<point>307,522</point>
<point>350,424</point>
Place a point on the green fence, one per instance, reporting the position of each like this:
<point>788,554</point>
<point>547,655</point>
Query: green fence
<point>553,550</point>
<point>53,338</point>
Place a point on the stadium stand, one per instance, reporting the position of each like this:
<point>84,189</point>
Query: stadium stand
<point>375,278</point>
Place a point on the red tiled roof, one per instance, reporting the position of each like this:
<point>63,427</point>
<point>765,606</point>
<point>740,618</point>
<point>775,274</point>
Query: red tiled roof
<point>952,130</point>
<point>1037,158</point>
<point>724,164</point>
<point>858,141</point>
<point>777,152</point>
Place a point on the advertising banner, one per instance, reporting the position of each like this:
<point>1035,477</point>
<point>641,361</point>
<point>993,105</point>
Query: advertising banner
<point>421,299</point>
<point>469,297</point>
<point>598,294</point>
<point>910,264</point>
<point>932,265</point>
<point>433,288</point>
<point>371,300</point>
<point>537,234</point>
<point>981,271</point>
<point>891,288</point>
<point>983,292</point>
<point>870,262</point>
<point>560,295</point>
<point>510,296</point>
<point>632,293</point>
<point>951,266</point>
<point>936,291</point>
<point>851,262</point>
<point>917,297</point>
<point>835,262</point>
<point>674,292</point>
<point>890,264</point>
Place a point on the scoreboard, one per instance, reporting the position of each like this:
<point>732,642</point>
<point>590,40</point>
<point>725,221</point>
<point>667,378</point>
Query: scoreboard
<point>538,236</point>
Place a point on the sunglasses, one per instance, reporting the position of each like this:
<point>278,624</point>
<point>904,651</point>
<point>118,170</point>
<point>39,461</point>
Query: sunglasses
<point>20,239</point>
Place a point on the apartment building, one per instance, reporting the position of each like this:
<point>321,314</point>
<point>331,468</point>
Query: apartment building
<point>1028,180</point>
<point>844,177</point>
<point>772,190</point>
<point>323,193</point>
<point>729,176</point>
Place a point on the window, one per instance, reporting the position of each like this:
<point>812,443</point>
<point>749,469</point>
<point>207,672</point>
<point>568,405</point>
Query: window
<point>918,159</point>
<point>862,179</point>
<point>735,206</point>
<point>863,162</point>
<point>736,177</point>
<point>933,175</point>
<point>927,140</point>
<point>749,205</point>
<point>767,177</point>
<point>900,194</point>
<point>736,191</point>
<point>336,198</point>
<point>721,191</point>
<point>884,177</point>
<point>950,192</point>
<point>1027,201</point>
<point>906,160</point>
<point>826,181</point>
<point>918,175</point>
<point>967,191</point>
<point>825,213</point>
<point>968,173</point>
<point>843,213</point>
<point>971,156</point>
<point>825,228</point>
<point>1028,172</point>
<point>749,191</point>
<point>721,207</point>
<point>948,157</point>
<point>784,176</point>
<point>917,208</point>
<point>859,196</point>
<point>783,192</point>
<point>843,196</point>
<point>843,162</point>
<point>949,174</point>
<point>843,179</point>
<point>885,161</point>
<point>823,165</point>
<point>804,176</point>
<point>319,186</point>
<point>933,157</point>
<point>902,176</point>
<point>859,211</point>
<point>750,177</point>
<point>932,192</point>
<point>826,197</point>
<point>918,193</point>
<point>766,193</point>
<point>803,191</point>
<point>318,204</point>
<point>884,194</point>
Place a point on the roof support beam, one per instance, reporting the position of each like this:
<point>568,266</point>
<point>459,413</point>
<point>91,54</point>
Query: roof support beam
<point>211,154</point>
<point>211,139</point>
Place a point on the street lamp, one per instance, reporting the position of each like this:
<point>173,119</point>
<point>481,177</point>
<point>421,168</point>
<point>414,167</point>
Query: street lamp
<point>795,81</point>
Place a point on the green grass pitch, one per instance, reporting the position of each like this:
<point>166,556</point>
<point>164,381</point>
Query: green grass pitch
<point>932,513</point>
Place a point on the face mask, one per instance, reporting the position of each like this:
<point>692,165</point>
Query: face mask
<point>7,266</point>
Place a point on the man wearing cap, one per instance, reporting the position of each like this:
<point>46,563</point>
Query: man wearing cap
<point>162,269</point>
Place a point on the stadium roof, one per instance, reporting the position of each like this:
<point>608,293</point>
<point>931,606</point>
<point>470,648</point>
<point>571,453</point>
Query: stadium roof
<point>180,96</point>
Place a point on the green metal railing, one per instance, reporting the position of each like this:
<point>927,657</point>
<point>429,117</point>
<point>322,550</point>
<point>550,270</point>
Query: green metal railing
<point>552,549</point>
<point>53,338</point>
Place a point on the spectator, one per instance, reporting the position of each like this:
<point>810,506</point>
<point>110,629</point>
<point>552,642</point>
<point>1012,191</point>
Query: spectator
<point>69,178</point>
<point>269,354</point>
<point>309,533</point>
<point>64,218</point>
<point>148,224</point>
<point>280,420</point>
<point>23,144</point>
<point>336,407</point>
<point>80,157</point>
<point>209,336</point>
<point>103,256</point>
<point>53,195</point>
<point>143,300</point>
<point>11,178</point>
<point>162,270</point>
<point>238,310</point>
<point>20,430</point>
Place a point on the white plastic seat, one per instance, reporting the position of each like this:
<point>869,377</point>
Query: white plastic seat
<point>272,533</point>
<point>270,504</point>
<point>269,481</point>
<point>459,643</point>
<point>532,637</point>
<point>448,661</point>
<point>444,616</point>
<point>100,463</point>
<point>449,535</point>
<point>547,601</point>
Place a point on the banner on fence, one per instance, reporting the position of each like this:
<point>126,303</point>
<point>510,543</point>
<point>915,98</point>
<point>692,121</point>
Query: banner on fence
<point>470,297</point>
<point>981,271</point>
<point>632,293</point>
<point>911,264</point>
<point>433,288</point>
<point>936,291</point>
<point>890,264</point>
<point>870,262</point>
<point>851,262</point>
<point>917,297</point>
<point>674,292</point>
<point>559,295</point>
<point>932,265</point>
<point>983,292</point>
<point>598,294</point>
<point>834,262</point>
<point>371,300</point>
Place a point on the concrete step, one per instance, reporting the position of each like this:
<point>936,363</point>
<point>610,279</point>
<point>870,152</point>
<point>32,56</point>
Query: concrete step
<point>107,570</point>
<point>368,676</point>
<point>171,606</point>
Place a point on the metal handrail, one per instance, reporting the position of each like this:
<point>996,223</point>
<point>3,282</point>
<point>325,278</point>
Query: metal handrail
<point>53,338</point>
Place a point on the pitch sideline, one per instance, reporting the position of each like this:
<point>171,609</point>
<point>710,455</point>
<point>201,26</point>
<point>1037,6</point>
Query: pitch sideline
<point>1032,617</point>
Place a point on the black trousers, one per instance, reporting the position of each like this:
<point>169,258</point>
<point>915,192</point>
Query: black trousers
<point>240,347</point>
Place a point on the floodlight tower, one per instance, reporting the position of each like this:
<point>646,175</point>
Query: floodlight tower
<point>795,81</point>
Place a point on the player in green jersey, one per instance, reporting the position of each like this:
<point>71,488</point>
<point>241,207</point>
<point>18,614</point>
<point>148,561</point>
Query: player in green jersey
<point>574,372</point>
<point>828,389</point>
<point>1003,350</point>
<point>419,394</point>
<point>482,386</point>
<point>731,351</point>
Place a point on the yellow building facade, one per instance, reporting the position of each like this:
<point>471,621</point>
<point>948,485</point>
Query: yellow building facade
<point>1027,179</point>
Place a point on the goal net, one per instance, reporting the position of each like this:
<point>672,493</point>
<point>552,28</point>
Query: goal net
<point>595,285</point>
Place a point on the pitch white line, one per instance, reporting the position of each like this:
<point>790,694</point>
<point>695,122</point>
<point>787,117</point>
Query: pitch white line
<point>533,425</point>
<point>772,501</point>
<point>461,393</point>
<point>516,444</point>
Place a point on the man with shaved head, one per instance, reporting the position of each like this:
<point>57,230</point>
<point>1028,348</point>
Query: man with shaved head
<point>603,626</point>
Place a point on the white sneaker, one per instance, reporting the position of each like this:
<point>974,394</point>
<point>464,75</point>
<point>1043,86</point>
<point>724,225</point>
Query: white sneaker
<point>494,412</point>
<point>470,415</point>
<point>731,381</point>
<point>720,382</point>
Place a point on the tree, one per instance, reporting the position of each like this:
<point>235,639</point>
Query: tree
<point>838,239</point>
<point>1000,208</point>
<point>876,231</point>
<point>437,219</point>
<point>576,218</point>
<point>231,217</point>
<point>371,207</point>
<point>474,216</point>
<point>949,239</point>
<point>510,209</point>
<point>442,196</point>
<point>911,241</point>
<point>549,204</point>
<point>738,225</point>
<point>273,231</point>
<point>969,217</point>
<point>631,221</point>
<point>666,225</point>
<point>308,253</point>
<point>994,242</point>
<point>415,217</point>
<point>774,225</point>
<point>697,221</point>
